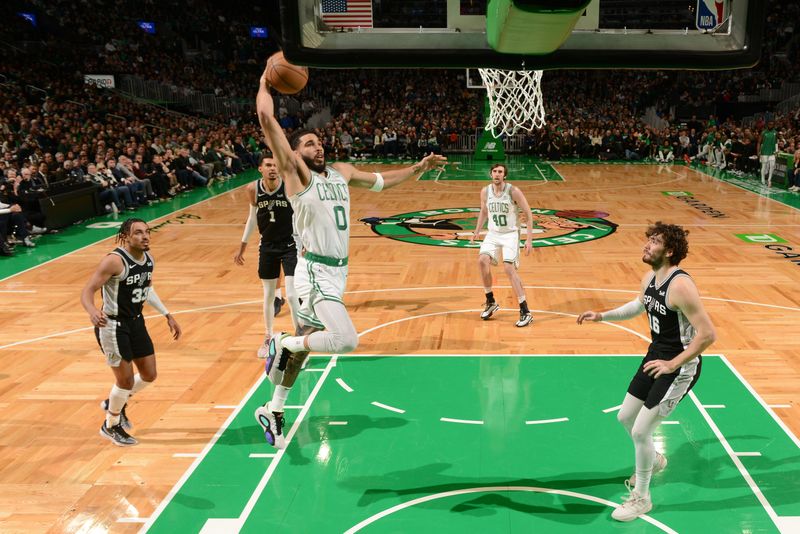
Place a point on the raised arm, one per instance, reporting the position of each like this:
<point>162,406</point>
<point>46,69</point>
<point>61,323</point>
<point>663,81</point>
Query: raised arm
<point>110,266</point>
<point>294,173</point>
<point>370,180</point>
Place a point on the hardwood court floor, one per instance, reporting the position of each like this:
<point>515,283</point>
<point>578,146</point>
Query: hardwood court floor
<point>58,475</point>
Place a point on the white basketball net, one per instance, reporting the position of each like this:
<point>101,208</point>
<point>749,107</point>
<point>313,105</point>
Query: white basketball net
<point>515,100</point>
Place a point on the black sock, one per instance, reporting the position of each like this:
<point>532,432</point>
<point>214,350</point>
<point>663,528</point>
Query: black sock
<point>490,297</point>
<point>523,307</point>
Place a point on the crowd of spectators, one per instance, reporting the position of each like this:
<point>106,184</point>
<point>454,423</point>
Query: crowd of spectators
<point>56,129</point>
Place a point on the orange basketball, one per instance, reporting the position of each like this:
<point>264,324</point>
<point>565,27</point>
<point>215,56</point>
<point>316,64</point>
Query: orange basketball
<point>285,77</point>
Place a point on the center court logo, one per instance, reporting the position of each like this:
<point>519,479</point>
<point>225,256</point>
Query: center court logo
<point>452,227</point>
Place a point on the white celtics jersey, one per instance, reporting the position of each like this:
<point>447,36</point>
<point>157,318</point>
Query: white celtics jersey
<point>502,210</point>
<point>322,214</point>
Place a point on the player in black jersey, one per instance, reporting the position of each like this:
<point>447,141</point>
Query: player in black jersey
<point>680,329</point>
<point>270,209</point>
<point>125,277</point>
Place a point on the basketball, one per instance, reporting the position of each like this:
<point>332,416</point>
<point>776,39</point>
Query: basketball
<point>285,77</point>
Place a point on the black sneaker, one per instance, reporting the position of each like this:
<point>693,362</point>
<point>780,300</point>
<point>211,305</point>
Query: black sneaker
<point>123,417</point>
<point>279,302</point>
<point>117,435</point>
<point>525,318</point>
<point>491,307</point>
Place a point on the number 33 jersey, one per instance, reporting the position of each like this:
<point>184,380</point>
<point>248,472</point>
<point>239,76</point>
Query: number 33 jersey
<point>322,214</point>
<point>124,294</point>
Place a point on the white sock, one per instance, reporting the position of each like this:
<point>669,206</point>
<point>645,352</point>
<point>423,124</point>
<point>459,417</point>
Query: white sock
<point>521,299</point>
<point>278,293</point>
<point>294,303</point>
<point>138,384</point>
<point>116,401</point>
<point>279,398</point>
<point>295,343</point>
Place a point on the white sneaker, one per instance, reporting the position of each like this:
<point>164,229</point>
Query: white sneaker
<point>28,242</point>
<point>633,507</point>
<point>491,307</point>
<point>524,319</point>
<point>277,358</point>
<point>659,464</point>
<point>36,230</point>
<point>263,349</point>
<point>272,425</point>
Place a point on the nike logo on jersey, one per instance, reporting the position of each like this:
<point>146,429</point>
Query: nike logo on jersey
<point>661,293</point>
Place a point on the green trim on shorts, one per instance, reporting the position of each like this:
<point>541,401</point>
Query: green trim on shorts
<point>312,278</point>
<point>330,261</point>
<point>309,319</point>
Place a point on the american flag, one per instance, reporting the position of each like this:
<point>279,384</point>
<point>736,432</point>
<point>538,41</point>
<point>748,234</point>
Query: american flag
<point>347,13</point>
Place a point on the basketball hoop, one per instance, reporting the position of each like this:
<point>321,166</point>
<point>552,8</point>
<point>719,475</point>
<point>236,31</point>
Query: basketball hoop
<point>515,100</point>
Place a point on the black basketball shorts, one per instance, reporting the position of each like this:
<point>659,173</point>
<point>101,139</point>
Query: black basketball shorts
<point>272,255</point>
<point>124,339</point>
<point>666,391</point>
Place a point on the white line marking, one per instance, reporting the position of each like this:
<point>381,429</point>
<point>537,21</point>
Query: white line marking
<point>315,370</point>
<point>714,406</point>
<point>263,454</point>
<point>736,461</point>
<point>337,423</point>
<point>747,453</point>
<point>344,385</point>
<point>225,406</point>
<point>235,524</point>
<point>556,171</point>
<point>545,421</point>
<point>761,401</point>
<point>462,421</point>
<point>132,520</point>
<point>612,409</point>
<point>387,407</point>
<point>780,405</point>
<point>670,422</point>
<point>170,214</point>
<point>163,504</point>
<point>186,455</point>
<point>292,407</point>
<point>399,289</point>
<point>497,489</point>
<point>17,291</point>
<point>768,197</point>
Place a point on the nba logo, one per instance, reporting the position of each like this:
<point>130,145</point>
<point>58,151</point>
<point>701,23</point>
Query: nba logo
<point>711,13</point>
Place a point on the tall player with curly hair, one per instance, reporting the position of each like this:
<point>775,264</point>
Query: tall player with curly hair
<point>680,329</point>
<point>125,278</point>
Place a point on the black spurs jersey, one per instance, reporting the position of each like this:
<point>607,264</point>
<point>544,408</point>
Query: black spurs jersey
<point>274,214</point>
<point>670,329</point>
<point>124,294</point>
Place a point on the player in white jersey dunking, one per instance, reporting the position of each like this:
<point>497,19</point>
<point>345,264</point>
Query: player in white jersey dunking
<point>271,212</point>
<point>500,204</point>
<point>680,329</point>
<point>320,197</point>
<point>125,277</point>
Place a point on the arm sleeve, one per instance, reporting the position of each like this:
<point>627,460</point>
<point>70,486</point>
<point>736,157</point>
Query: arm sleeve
<point>155,302</point>
<point>626,311</point>
<point>251,223</point>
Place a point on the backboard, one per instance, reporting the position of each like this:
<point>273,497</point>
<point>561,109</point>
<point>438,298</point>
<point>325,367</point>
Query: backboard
<point>610,34</point>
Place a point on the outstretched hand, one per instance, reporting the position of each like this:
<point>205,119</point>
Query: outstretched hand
<point>590,316</point>
<point>432,161</point>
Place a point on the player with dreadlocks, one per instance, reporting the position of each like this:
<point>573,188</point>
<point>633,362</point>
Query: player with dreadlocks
<point>125,278</point>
